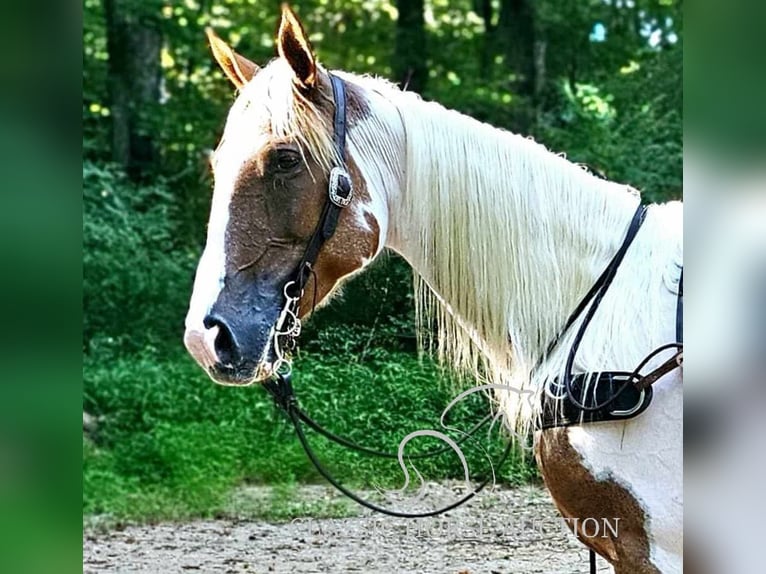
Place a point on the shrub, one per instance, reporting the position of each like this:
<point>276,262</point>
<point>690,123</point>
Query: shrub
<point>136,279</point>
<point>170,443</point>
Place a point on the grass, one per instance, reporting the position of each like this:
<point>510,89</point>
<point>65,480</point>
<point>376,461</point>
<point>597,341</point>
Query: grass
<point>171,445</point>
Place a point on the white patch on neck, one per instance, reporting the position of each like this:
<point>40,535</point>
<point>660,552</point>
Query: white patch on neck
<point>376,144</point>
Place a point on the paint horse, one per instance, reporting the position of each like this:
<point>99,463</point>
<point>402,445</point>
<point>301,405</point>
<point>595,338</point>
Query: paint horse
<point>505,238</point>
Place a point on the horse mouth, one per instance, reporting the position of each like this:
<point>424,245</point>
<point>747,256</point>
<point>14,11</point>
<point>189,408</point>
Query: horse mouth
<point>238,373</point>
<point>240,376</point>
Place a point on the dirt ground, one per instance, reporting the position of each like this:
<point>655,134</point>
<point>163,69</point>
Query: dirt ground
<point>504,531</point>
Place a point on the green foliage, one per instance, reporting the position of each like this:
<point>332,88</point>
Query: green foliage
<point>628,139</point>
<point>373,311</point>
<point>136,275</point>
<point>171,444</point>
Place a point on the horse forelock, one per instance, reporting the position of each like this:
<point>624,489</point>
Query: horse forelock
<point>271,106</point>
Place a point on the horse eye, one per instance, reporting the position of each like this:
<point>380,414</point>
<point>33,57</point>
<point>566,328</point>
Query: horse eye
<point>287,159</point>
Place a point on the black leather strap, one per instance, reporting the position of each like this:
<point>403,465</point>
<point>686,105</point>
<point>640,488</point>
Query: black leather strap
<point>339,124</point>
<point>339,186</point>
<point>603,281</point>
<point>562,412</point>
<point>282,390</point>
<point>572,401</point>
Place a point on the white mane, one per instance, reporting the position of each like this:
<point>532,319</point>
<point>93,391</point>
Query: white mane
<point>506,237</point>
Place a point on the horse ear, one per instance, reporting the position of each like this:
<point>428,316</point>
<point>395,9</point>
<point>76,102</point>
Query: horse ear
<point>293,46</point>
<point>237,68</point>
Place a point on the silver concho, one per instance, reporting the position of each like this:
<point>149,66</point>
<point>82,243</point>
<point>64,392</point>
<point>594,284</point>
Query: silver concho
<point>335,178</point>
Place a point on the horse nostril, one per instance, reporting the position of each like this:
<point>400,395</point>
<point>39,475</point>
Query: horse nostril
<point>225,345</point>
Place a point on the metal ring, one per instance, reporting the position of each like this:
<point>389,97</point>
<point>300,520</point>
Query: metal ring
<point>547,390</point>
<point>289,297</point>
<point>283,363</point>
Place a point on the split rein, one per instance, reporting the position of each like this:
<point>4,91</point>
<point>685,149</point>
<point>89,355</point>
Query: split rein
<point>281,389</point>
<point>288,327</point>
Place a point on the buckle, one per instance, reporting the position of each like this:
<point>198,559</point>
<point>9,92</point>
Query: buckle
<point>635,408</point>
<point>341,189</point>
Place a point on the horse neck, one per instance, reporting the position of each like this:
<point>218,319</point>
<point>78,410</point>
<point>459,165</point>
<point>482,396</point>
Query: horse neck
<point>507,235</point>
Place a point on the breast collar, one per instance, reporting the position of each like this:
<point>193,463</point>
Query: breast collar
<point>606,395</point>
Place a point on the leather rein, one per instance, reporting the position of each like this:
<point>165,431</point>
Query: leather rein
<point>606,395</point>
<point>288,328</point>
<point>627,393</point>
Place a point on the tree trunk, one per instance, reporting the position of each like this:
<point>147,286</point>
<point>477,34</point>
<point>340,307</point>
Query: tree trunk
<point>134,42</point>
<point>486,57</point>
<point>519,39</point>
<point>410,64</point>
<point>516,38</point>
<point>539,76</point>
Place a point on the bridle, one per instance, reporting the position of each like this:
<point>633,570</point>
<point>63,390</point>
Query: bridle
<point>340,190</point>
<point>288,327</point>
<point>586,397</point>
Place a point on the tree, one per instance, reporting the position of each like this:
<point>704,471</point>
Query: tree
<point>410,64</point>
<point>516,37</point>
<point>134,42</point>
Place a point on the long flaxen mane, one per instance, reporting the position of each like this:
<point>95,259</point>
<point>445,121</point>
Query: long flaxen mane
<point>491,208</point>
<point>505,237</point>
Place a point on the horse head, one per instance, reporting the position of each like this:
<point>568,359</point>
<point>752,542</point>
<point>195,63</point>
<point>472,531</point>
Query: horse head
<point>271,172</point>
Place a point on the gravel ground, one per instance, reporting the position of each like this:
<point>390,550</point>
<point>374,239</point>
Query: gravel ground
<point>505,531</point>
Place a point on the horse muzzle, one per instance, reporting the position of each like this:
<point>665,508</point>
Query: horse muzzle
<point>234,342</point>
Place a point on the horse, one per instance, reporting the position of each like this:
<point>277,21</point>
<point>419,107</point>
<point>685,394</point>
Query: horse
<point>504,237</point>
